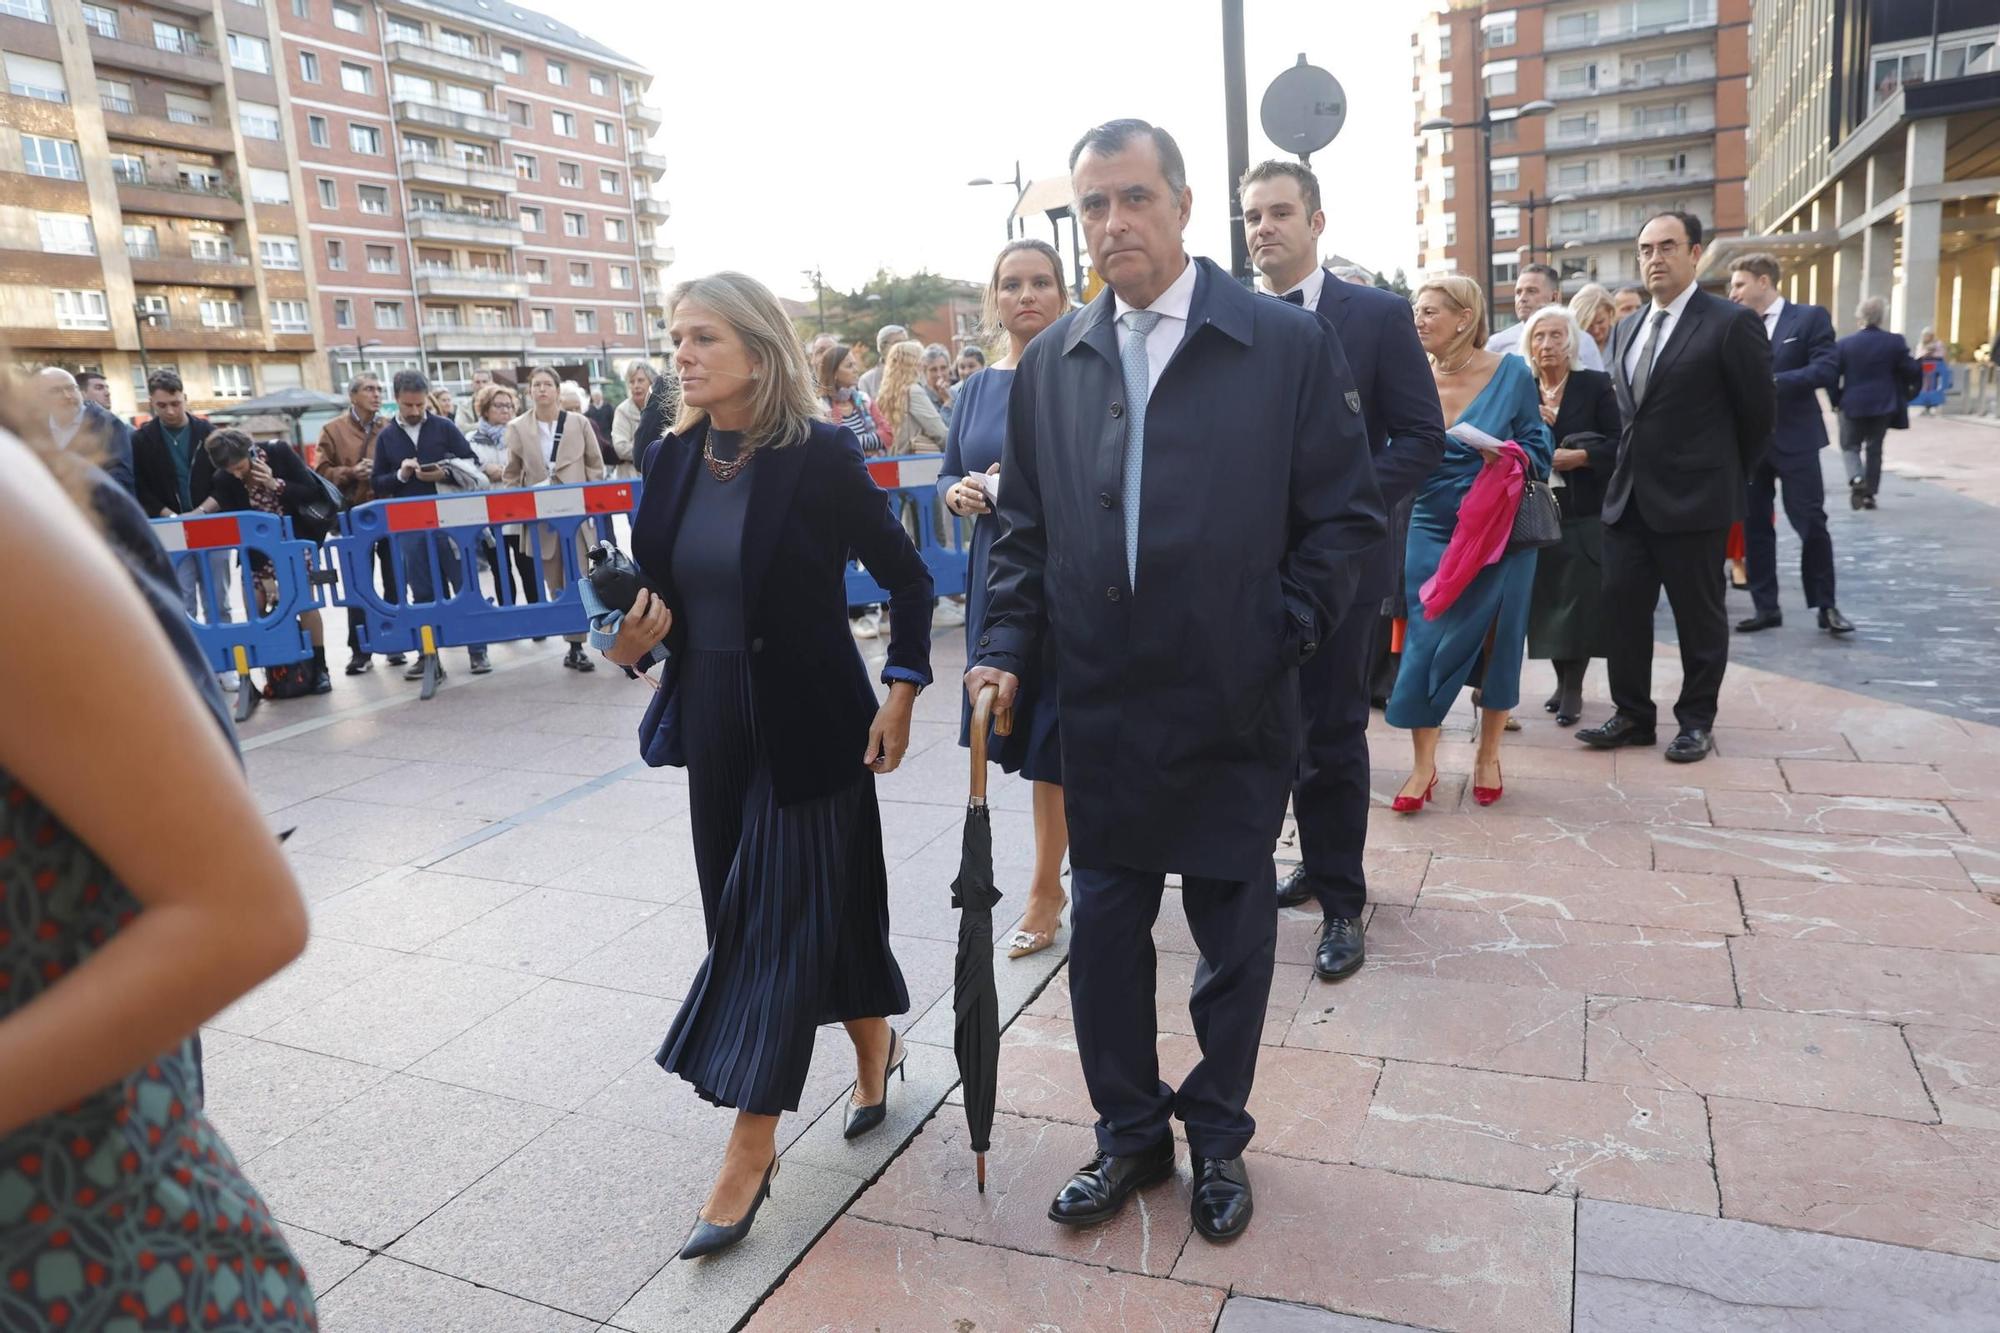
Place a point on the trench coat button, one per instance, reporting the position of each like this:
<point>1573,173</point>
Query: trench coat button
<point>756,645</point>
<point>985,640</point>
<point>1104,502</point>
<point>1309,647</point>
<point>1118,409</point>
<point>1111,594</point>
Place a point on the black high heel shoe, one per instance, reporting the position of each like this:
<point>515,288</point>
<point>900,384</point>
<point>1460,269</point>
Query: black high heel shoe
<point>708,1237</point>
<point>861,1119</point>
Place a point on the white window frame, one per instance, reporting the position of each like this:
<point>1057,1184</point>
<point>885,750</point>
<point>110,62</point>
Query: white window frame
<point>87,308</point>
<point>36,150</point>
<point>71,230</point>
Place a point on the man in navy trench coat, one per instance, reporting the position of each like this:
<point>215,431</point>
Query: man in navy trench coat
<point>1188,503</point>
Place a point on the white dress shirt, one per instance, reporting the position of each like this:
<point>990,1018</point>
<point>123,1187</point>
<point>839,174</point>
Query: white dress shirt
<point>1674,310</point>
<point>1314,284</point>
<point>1509,340</point>
<point>412,431</point>
<point>1172,307</point>
<point>1771,318</point>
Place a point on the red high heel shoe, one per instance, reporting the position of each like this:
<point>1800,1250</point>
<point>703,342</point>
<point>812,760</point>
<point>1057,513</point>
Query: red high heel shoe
<point>1409,805</point>
<point>1488,795</point>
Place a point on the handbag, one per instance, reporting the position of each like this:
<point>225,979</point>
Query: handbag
<point>320,511</point>
<point>1537,520</point>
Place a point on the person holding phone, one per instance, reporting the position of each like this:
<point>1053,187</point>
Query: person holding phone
<point>409,461</point>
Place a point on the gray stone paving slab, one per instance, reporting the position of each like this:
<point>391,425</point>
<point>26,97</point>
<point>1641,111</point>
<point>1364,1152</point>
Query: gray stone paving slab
<point>929,1073</point>
<point>405,909</point>
<point>391,835</point>
<point>370,1170</point>
<point>579,1219</point>
<point>507,793</point>
<point>659,956</point>
<point>328,1262</point>
<point>544,931</point>
<point>711,1295</point>
<point>657,866</point>
<point>927,969</point>
<point>1667,1272</point>
<point>560,1044</point>
<point>403,1011</point>
<point>527,853</point>
<point>626,806</point>
<point>415,782</point>
<point>645,1096</point>
<point>258,1093</point>
<point>321,876</point>
<point>1251,1314</point>
<point>1016,981</point>
<point>388,1296</point>
<point>326,967</point>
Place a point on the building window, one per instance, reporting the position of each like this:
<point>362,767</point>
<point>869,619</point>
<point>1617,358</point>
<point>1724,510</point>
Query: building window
<point>1506,174</point>
<point>559,73</point>
<point>347,18</point>
<point>222,314</point>
<point>317,133</point>
<point>510,60</point>
<point>171,37</point>
<point>186,109</point>
<point>278,251</point>
<point>270,187</point>
<point>302,9</point>
<point>374,198</point>
<point>527,166</point>
<point>614,229</point>
<point>251,53</point>
<point>396,29</point>
<point>600,84</point>
<point>1500,78</point>
<point>115,95</point>
<point>607,133</point>
<point>1506,223</point>
<point>520,113</point>
<point>364,139</point>
<point>142,242</point>
<point>575,224</point>
<point>610,182</point>
<point>54,158</point>
<point>563,123</point>
<point>128,168</point>
<point>336,255</point>
<point>102,21</point>
<point>536,269</point>
<point>542,320</point>
<point>81,310</point>
<point>1496,30</point>
<point>66,234</point>
<point>259,121</point>
<point>40,79</point>
<point>1577,28</point>
<point>232,379</point>
<point>1958,58</point>
<point>309,67</point>
<point>289,317</point>
<point>329,193</point>
<point>214,246</point>
<point>343,313</point>
<point>531,218</point>
<point>625,321</point>
<point>356,78</point>
<point>579,273</point>
<point>388,314</point>
<point>458,43</point>
<point>570,174</point>
<point>621,276</point>
<point>586,321</point>
<point>381,259</point>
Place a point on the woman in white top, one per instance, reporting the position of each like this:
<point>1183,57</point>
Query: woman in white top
<point>551,445</point>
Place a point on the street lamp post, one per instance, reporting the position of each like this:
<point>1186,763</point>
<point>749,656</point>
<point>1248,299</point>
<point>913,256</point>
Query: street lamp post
<point>1020,193</point>
<point>1484,124</point>
<point>1531,206</point>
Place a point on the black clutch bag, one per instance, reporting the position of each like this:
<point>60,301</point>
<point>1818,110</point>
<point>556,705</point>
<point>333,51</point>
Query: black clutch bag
<point>614,578</point>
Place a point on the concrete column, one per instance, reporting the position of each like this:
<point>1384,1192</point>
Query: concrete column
<point>1847,291</point>
<point>1923,225</point>
<point>1878,261</point>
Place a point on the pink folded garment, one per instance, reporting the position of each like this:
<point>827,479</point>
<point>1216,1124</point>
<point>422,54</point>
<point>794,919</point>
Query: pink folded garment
<point>1485,521</point>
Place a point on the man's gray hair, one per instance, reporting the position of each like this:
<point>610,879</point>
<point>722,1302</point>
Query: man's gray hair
<point>1873,310</point>
<point>936,352</point>
<point>642,368</point>
<point>1354,273</point>
<point>1112,136</point>
<point>888,336</point>
<point>362,381</point>
<point>410,381</point>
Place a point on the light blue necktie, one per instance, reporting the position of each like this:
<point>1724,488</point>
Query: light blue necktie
<point>1132,358</point>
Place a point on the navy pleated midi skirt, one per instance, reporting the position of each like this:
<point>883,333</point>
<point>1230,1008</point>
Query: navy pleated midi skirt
<point>796,899</point>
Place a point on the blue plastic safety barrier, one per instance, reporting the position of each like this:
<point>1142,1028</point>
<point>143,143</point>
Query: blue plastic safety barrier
<point>911,480</point>
<point>201,549</point>
<point>433,549</point>
<point>1937,382</point>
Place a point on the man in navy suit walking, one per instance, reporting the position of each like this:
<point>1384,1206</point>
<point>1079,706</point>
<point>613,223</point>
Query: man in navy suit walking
<point>1804,360</point>
<point>1282,223</point>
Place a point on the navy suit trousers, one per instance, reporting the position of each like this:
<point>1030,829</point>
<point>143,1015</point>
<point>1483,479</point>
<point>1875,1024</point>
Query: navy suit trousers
<point>1330,798</point>
<point>1111,988</point>
<point>1805,508</point>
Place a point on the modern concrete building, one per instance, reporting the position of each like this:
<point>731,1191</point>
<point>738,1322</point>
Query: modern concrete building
<point>274,192</point>
<point>1876,126</point>
<point>1602,112</point>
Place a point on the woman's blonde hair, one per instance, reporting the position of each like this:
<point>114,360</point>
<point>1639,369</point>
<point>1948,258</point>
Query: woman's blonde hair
<point>438,398</point>
<point>783,405</point>
<point>483,400</point>
<point>1553,313</point>
<point>901,368</point>
<point>989,311</point>
<point>1462,293</point>
<point>1590,300</point>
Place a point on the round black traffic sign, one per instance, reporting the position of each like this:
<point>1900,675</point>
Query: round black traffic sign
<point>1303,109</point>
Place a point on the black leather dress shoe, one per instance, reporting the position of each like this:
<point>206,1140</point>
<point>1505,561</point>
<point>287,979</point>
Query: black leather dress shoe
<point>1833,622</point>
<point>358,663</point>
<point>1619,731</point>
<point>1343,948</point>
<point>1294,888</point>
<point>1762,620</point>
<point>1691,746</point>
<point>1100,1187</point>
<point>1221,1202</point>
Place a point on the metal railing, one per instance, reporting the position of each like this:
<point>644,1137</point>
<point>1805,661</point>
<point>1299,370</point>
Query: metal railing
<point>1612,134</point>
<point>189,45</point>
<point>35,11</point>
<point>210,189</point>
<point>497,277</point>
<point>111,102</point>
<point>180,117</point>
<point>1701,16</point>
<point>39,93</point>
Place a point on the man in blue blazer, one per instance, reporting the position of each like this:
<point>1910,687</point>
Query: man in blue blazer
<point>1878,378</point>
<point>409,461</point>
<point>1282,224</point>
<point>1804,360</point>
<point>1188,507</point>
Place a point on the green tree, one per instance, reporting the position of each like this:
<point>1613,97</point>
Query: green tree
<point>1399,284</point>
<point>887,298</point>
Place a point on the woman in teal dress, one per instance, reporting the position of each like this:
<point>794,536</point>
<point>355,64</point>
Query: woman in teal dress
<point>1488,623</point>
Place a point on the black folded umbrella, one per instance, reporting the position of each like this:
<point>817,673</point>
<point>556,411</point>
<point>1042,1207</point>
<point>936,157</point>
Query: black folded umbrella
<point>975,1008</point>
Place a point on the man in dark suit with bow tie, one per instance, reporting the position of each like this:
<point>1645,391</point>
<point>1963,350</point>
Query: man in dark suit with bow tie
<point>1693,376</point>
<point>1804,360</point>
<point>1282,225</point>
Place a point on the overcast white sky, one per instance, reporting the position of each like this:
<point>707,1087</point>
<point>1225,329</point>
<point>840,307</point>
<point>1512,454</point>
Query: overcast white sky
<point>776,162</point>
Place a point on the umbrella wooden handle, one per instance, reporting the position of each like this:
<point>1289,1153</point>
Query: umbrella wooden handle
<point>986,716</point>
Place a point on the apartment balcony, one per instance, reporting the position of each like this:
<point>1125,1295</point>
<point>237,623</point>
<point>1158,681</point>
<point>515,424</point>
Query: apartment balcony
<point>183,6</point>
<point>433,59</point>
<point>443,280</point>
<point>463,227</point>
<point>189,271</point>
<point>1699,127</point>
<point>644,159</point>
<point>650,209</point>
<point>192,60</point>
<point>438,116</point>
<point>1659,182</point>
<point>181,333</point>
<point>1635,83</point>
<point>460,338</point>
<point>655,296</point>
<point>654,252</point>
<point>644,114</point>
<point>217,203</point>
<point>1605,33</point>
<point>430,169</point>
<point>176,129</point>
